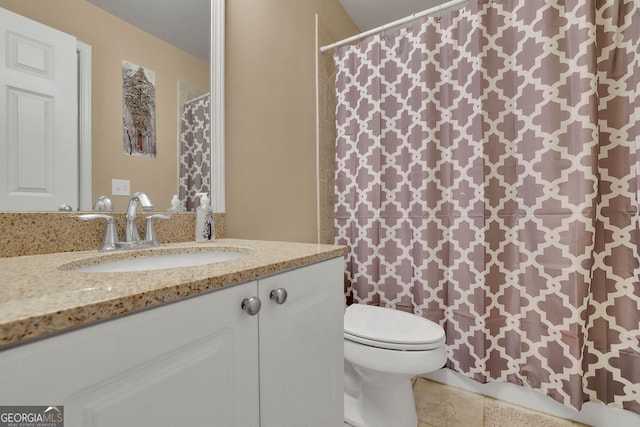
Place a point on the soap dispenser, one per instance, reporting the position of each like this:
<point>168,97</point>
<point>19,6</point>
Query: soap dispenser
<point>205,230</point>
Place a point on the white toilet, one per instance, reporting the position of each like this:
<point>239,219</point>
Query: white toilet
<point>383,349</point>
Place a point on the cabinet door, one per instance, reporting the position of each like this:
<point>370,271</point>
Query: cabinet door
<point>190,363</point>
<point>301,347</point>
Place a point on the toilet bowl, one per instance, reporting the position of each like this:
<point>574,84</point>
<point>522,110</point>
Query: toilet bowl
<point>383,349</point>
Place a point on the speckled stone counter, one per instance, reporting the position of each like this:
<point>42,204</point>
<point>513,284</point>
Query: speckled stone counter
<point>40,295</point>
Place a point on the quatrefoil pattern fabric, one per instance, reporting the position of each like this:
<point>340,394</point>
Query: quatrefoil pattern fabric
<point>487,179</point>
<point>195,149</point>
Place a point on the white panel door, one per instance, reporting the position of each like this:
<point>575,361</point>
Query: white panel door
<point>38,116</point>
<point>301,347</point>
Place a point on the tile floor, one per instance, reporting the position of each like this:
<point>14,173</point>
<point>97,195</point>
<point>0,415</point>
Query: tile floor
<point>440,405</point>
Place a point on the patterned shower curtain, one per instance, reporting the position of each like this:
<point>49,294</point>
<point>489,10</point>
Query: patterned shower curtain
<point>195,149</point>
<point>487,179</point>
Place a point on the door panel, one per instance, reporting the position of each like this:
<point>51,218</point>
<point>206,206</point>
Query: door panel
<point>29,143</point>
<point>301,347</point>
<point>190,363</point>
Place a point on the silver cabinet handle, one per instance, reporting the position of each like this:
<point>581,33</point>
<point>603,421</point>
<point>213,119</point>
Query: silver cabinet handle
<point>279,296</point>
<point>251,305</point>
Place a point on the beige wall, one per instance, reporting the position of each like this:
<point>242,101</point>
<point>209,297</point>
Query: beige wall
<point>271,115</point>
<point>112,41</point>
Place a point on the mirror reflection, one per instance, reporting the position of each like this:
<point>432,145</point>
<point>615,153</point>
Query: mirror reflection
<point>181,79</point>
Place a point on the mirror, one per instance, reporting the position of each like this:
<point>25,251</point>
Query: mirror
<point>112,41</point>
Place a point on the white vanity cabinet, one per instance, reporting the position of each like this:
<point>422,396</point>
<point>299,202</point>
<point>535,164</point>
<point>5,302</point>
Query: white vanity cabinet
<point>202,361</point>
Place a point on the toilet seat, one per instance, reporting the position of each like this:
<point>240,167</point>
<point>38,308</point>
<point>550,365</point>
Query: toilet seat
<point>391,329</point>
<point>393,345</point>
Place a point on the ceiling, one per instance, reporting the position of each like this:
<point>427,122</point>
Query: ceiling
<point>368,14</point>
<point>185,23</point>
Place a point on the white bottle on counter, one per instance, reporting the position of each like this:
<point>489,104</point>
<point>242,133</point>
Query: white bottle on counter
<point>176,205</point>
<point>205,229</point>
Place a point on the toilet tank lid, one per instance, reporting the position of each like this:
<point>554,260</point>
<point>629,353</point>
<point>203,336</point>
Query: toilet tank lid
<point>389,325</point>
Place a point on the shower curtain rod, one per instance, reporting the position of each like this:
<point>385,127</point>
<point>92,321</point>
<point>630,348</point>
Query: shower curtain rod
<point>204,95</point>
<point>436,9</point>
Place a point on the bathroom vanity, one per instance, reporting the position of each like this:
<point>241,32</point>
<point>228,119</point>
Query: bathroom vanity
<point>181,346</point>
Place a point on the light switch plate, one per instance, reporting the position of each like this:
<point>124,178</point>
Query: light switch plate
<point>120,187</point>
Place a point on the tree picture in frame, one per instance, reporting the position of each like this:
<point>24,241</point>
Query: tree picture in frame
<point>139,110</point>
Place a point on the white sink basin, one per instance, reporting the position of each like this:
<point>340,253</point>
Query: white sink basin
<point>158,262</point>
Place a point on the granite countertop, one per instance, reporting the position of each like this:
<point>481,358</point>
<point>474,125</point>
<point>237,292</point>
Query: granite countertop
<point>40,295</point>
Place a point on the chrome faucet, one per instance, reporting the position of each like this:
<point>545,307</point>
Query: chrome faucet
<point>104,204</point>
<point>131,234</point>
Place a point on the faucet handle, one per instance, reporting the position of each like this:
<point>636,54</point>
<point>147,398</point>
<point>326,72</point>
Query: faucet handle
<point>150,230</point>
<point>110,240</point>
